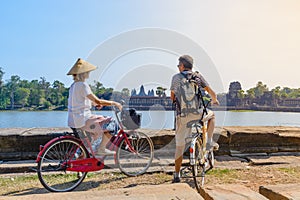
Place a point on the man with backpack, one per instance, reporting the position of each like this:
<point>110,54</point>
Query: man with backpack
<point>186,94</point>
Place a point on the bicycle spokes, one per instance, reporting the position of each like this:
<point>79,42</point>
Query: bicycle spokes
<point>135,154</point>
<point>55,162</point>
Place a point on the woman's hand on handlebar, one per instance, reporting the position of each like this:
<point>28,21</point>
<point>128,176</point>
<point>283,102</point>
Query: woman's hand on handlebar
<point>99,107</point>
<point>117,105</point>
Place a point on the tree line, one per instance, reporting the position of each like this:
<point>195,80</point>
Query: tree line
<point>16,93</point>
<point>259,95</point>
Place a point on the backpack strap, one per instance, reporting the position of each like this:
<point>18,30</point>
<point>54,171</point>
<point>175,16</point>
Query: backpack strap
<point>203,103</point>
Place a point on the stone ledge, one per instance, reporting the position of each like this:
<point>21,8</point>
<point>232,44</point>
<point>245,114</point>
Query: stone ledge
<point>22,143</point>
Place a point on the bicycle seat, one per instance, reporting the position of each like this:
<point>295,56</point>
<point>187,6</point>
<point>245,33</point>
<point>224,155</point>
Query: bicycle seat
<point>78,132</point>
<point>193,122</point>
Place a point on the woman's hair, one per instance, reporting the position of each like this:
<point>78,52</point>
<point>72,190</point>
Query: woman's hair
<point>80,77</point>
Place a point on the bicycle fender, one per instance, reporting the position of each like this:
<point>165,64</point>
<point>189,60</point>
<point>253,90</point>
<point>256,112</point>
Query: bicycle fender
<point>43,147</point>
<point>192,152</point>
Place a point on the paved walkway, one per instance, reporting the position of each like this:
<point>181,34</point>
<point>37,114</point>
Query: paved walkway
<point>155,192</point>
<point>182,190</point>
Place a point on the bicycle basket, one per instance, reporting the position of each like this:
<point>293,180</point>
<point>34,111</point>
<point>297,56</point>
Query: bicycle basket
<point>130,119</point>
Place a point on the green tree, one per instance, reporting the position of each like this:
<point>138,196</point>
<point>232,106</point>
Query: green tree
<point>294,93</point>
<point>44,85</point>
<point>1,77</point>
<point>24,84</point>
<point>21,96</point>
<point>251,94</point>
<point>47,104</point>
<point>107,94</point>
<point>260,89</point>
<point>98,89</point>
<point>3,98</point>
<point>56,96</point>
<point>12,86</point>
<point>276,95</point>
<point>241,96</point>
<point>160,91</point>
<point>125,92</point>
<point>35,93</point>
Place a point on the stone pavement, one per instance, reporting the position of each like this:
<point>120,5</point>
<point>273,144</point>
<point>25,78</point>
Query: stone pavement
<point>281,191</point>
<point>230,192</point>
<point>240,148</point>
<point>181,191</point>
<point>154,192</point>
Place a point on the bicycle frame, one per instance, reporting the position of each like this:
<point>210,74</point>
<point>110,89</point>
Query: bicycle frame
<point>116,140</point>
<point>203,137</point>
<point>93,163</point>
<point>80,165</point>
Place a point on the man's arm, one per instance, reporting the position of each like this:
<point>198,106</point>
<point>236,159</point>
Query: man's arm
<point>213,95</point>
<point>173,98</point>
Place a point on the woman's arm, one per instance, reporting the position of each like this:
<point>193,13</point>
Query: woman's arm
<point>103,102</point>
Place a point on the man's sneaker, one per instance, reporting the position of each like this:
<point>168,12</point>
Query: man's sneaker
<point>104,152</point>
<point>176,179</point>
<point>213,145</point>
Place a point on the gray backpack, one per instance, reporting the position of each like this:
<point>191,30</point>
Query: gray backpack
<point>188,96</point>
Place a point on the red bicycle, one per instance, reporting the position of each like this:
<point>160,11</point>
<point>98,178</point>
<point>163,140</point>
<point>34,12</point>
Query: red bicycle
<point>63,163</point>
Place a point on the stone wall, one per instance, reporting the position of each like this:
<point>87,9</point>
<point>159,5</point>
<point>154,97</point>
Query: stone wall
<point>21,144</point>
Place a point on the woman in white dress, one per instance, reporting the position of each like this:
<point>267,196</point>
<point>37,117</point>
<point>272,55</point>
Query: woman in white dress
<point>81,99</point>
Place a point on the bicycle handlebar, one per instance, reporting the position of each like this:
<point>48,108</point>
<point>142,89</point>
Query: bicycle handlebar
<point>117,111</point>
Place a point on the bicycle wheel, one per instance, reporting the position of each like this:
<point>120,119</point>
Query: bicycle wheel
<point>199,168</point>
<point>52,169</point>
<point>211,160</point>
<point>136,162</point>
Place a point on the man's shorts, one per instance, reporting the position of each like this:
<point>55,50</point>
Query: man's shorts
<point>182,131</point>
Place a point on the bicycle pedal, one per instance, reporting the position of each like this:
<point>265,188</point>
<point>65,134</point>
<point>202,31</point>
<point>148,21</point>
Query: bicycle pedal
<point>33,169</point>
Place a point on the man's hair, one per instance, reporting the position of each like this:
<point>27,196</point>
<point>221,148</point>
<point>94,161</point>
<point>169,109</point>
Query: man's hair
<point>187,61</point>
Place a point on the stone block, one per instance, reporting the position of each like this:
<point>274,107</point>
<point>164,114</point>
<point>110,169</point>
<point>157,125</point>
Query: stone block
<point>281,191</point>
<point>230,192</point>
<point>267,139</point>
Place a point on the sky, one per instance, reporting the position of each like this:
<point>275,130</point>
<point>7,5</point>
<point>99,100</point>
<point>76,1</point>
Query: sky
<point>244,40</point>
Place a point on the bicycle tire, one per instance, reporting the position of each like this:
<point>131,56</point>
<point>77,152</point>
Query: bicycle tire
<point>211,159</point>
<point>52,174</point>
<point>198,169</point>
<point>138,162</point>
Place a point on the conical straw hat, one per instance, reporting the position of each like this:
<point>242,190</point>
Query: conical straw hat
<point>80,67</point>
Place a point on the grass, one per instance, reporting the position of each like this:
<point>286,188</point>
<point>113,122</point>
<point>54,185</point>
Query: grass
<point>17,180</point>
<point>225,176</point>
<point>14,184</point>
<point>220,172</point>
<point>252,177</point>
<point>290,171</point>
